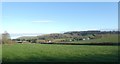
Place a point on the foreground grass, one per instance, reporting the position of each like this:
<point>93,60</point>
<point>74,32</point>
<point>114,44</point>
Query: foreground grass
<point>65,53</point>
<point>0,53</point>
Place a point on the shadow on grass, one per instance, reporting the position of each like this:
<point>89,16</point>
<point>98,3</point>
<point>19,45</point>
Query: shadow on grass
<point>101,43</point>
<point>60,62</point>
<point>84,59</point>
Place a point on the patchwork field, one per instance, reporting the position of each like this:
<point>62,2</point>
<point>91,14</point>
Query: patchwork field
<point>60,53</point>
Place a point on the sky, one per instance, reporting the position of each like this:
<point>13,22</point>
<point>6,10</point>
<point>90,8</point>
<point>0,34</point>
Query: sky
<point>57,17</point>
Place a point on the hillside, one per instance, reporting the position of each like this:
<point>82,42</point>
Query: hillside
<point>105,38</point>
<point>74,37</point>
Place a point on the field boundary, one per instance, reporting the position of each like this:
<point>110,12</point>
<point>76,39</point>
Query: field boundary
<point>103,43</point>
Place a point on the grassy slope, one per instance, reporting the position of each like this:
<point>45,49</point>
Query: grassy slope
<point>46,52</point>
<point>113,38</point>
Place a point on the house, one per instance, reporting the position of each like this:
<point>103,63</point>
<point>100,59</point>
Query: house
<point>88,38</point>
<point>47,41</point>
<point>70,40</point>
<point>19,41</point>
<point>84,39</point>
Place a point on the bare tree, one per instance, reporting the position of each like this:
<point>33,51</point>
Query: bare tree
<point>6,38</point>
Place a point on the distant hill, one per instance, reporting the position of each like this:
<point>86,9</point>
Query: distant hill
<point>27,37</point>
<point>74,36</point>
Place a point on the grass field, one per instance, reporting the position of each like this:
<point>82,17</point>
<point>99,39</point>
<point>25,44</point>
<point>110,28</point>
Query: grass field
<point>54,53</point>
<point>111,38</point>
<point>0,53</point>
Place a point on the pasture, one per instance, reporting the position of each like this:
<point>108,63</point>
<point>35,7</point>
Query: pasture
<point>108,38</point>
<point>58,53</point>
<point>0,53</point>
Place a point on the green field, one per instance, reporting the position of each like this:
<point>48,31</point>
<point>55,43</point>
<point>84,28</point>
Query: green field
<point>0,53</point>
<point>60,53</point>
<point>110,38</point>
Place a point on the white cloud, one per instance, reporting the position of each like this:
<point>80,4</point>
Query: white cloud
<point>42,21</point>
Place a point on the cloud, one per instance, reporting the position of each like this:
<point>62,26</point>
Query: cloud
<point>42,21</point>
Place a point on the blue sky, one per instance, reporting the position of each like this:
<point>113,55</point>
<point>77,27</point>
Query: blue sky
<point>48,17</point>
